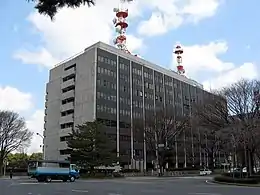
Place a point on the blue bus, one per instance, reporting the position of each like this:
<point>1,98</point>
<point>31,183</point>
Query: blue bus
<point>48,170</point>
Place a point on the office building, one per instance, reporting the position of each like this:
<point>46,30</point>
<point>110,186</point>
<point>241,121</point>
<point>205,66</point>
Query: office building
<point>107,84</point>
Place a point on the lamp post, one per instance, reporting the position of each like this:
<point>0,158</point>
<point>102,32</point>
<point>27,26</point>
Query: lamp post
<point>43,146</point>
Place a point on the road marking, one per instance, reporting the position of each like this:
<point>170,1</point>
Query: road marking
<point>80,191</point>
<point>32,183</point>
<point>201,193</point>
<point>113,194</point>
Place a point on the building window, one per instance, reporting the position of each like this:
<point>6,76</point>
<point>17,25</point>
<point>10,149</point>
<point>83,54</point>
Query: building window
<point>66,125</point>
<point>68,100</point>
<point>69,77</point>
<point>70,67</point>
<point>67,112</point>
<point>65,138</point>
<point>70,88</point>
<point>65,152</point>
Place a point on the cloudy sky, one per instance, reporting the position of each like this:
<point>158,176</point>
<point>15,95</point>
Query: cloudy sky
<point>219,37</point>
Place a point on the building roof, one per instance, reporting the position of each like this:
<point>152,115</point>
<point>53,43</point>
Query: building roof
<point>138,60</point>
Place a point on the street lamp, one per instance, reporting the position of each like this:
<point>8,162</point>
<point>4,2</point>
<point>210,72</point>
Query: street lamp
<point>43,146</point>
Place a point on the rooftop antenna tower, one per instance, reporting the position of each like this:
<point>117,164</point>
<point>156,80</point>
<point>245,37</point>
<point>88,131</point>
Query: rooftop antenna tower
<point>178,52</point>
<point>121,25</point>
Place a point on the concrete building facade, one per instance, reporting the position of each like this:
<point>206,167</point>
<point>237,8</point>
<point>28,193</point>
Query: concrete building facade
<point>107,84</point>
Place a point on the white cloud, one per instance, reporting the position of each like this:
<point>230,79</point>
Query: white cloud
<point>245,71</point>
<point>134,43</point>
<point>14,100</point>
<point>203,63</point>
<point>171,14</point>
<point>72,31</point>
<point>75,29</point>
<point>204,58</point>
<point>42,57</point>
<point>35,124</point>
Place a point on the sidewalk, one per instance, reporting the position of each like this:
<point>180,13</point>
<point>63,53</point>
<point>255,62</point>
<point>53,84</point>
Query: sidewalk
<point>15,177</point>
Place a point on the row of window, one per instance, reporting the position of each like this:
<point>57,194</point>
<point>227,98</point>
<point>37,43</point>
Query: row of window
<point>125,112</point>
<point>125,101</point>
<point>69,77</point>
<point>67,112</point>
<point>149,107</point>
<point>73,66</point>
<point>124,66</point>
<point>69,88</point>
<point>113,123</point>
<point>67,125</point>
<point>106,109</point>
<point>124,77</point>
<point>148,85</point>
<point>101,95</point>
<point>148,76</point>
<point>67,100</point>
<point>105,83</point>
<point>158,79</point>
<point>137,115</point>
<point>137,71</point>
<point>65,152</point>
<point>65,138</point>
<point>124,88</point>
<point>106,71</point>
<point>106,60</point>
<point>121,137</point>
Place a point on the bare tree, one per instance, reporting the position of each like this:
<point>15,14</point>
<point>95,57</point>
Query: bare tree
<point>13,134</point>
<point>159,132</point>
<point>236,110</point>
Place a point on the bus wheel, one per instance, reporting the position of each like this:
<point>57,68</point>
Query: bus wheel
<point>72,178</point>
<point>48,179</point>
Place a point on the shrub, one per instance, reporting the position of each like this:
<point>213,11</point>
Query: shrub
<point>118,175</point>
<point>256,177</point>
<point>184,169</point>
<point>236,180</point>
<point>130,171</point>
<point>235,174</point>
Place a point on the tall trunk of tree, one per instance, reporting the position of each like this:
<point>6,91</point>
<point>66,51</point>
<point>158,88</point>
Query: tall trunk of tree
<point>211,161</point>
<point>1,167</point>
<point>251,162</point>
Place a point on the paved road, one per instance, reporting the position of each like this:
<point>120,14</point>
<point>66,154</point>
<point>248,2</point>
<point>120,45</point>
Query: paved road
<point>128,186</point>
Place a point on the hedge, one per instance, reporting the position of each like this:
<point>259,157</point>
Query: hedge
<point>241,175</point>
<point>226,179</point>
<point>130,171</point>
<point>101,176</point>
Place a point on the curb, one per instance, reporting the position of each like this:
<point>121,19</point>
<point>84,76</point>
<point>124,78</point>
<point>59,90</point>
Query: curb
<point>234,184</point>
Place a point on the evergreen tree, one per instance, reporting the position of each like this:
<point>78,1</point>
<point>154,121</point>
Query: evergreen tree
<point>90,146</point>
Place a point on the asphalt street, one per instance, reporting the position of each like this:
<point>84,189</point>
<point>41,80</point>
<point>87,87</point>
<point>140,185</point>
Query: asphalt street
<point>127,186</point>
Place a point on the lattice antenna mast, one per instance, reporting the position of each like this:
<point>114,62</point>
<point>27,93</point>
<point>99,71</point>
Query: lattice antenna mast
<point>121,25</point>
<point>178,52</point>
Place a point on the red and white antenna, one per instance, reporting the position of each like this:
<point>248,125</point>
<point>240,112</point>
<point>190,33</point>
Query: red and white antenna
<point>121,26</point>
<point>179,51</point>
